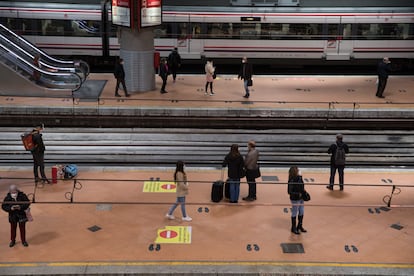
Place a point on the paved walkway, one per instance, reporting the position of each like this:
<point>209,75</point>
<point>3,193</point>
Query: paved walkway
<point>130,221</point>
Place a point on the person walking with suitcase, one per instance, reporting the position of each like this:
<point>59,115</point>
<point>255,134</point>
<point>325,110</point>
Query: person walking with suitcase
<point>119,74</point>
<point>38,154</point>
<point>174,62</point>
<point>180,179</point>
<point>338,153</point>
<point>15,204</point>
<point>252,170</point>
<point>296,190</point>
<point>235,171</point>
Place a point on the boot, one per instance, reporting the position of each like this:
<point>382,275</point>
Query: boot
<point>294,229</point>
<point>300,227</point>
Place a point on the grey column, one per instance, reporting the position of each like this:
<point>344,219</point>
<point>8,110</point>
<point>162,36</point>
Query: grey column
<point>137,50</point>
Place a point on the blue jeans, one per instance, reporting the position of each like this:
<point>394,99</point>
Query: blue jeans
<point>180,200</point>
<point>297,208</point>
<point>246,87</point>
<point>341,175</point>
<point>234,189</point>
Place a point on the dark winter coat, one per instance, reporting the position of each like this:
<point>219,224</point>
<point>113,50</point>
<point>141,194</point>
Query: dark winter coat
<point>38,143</point>
<point>174,59</point>
<point>235,164</point>
<point>332,150</point>
<point>119,72</point>
<point>16,215</point>
<point>296,188</point>
<point>163,71</point>
<point>246,71</point>
<point>383,69</point>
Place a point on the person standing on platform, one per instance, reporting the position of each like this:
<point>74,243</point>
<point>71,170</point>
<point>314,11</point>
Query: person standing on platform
<point>235,164</point>
<point>174,62</point>
<point>180,179</point>
<point>252,170</point>
<point>338,153</point>
<point>15,204</point>
<point>246,72</point>
<point>120,77</point>
<point>164,71</point>
<point>296,190</point>
<point>384,67</point>
<point>38,154</point>
<point>209,69</point>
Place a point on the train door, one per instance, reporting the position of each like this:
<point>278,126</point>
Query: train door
<point>338,46</point>
<point>188,43</point>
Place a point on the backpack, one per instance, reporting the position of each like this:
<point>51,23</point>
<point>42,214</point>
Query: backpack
<point>340,156</point>
<point>27,139</point>
<point>70,171</point>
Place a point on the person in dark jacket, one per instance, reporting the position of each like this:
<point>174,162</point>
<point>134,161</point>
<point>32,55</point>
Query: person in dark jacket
<point>296,189</point>
<point>246,72</point>
<point>335,165</point>
<point>384,67</point>
<point>38,154</point>
<point>36,74</point>
<point>235,164</point>
<point>164,75</point>
<point>174,62</point>
<point>17,213</point>
<point>119,74</point>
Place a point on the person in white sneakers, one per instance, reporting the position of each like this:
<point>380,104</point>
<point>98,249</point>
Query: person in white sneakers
<point>180,179</point>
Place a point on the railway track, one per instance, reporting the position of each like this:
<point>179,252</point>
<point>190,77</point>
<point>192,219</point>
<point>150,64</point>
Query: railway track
<point>207,147</point>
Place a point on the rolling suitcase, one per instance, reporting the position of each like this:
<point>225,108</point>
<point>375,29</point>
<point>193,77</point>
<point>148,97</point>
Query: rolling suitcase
<point>217,189</point>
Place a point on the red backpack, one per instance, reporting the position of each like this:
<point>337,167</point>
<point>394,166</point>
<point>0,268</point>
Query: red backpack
<point>27,139</point>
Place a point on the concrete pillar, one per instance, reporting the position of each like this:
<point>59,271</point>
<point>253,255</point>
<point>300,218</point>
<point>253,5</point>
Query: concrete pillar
<point>137,50</point>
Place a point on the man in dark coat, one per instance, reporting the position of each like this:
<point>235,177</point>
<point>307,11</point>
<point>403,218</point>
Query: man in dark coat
<point>174,62</point>
<point>336,164</point>
<point>164,75</point>
<point>17,213</point>
<point>246,72</point>
<point>119,74</point>
<point>384,67</point>
<point>38,154</point>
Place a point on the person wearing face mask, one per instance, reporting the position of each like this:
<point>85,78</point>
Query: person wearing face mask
<point>119,74</point>
<point>296,190</point>
<point>15,204</point>
<point>246,72</point>
<point>38,154</point>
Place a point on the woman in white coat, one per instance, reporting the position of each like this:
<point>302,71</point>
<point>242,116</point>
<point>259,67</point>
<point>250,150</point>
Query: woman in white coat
<point>209,68</point>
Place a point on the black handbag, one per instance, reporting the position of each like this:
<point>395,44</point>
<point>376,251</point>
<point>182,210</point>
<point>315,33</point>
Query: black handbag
<point>250,82</point>
<point>254,173</point>
<point>306,196</point>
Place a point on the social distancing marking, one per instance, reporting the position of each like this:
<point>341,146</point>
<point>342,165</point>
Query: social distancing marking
<point>174,234</point>
<point>159,187</point>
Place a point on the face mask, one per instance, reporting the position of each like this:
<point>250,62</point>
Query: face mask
<point>14,195</point>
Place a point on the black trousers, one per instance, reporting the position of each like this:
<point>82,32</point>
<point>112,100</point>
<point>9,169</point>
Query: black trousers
<point>211,86</point>
<point>173,70</point>
<point>39,162</point>
<point>252,186</point>
<point>382,82</point>
<point>119,81</point>
<point>341,175</point>
<point>164,83</point>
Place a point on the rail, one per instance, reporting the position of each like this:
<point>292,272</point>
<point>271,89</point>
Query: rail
<point>74,186</point>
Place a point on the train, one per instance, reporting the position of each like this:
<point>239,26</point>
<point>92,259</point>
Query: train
<point>227,32</point>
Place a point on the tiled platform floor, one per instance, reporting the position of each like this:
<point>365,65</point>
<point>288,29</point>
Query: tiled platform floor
<point>59,233</point>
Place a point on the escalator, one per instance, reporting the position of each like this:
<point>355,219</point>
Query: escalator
<point>19,74</point>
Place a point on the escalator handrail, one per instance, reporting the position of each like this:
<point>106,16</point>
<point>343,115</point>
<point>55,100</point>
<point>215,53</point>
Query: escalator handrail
<point>69,69</point>
<point>44,72</point>
<point>42,53</point>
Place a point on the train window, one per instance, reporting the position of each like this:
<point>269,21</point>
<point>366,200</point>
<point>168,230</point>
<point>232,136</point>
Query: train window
<point>161,31</point>
<point>222,30</point>
<point>31,27</point>
<point>14,24</point>
<point>291,31</point>
<point>384,31</point>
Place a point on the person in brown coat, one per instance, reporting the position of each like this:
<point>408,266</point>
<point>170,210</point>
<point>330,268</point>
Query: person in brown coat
<point>180,179</point>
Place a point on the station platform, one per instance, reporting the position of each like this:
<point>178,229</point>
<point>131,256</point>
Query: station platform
<point>114,222</point>
<point>288,98</point>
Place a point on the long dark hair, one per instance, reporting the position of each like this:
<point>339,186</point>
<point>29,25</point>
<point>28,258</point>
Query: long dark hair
<point>234,150</point>
<point>179,167</point>
<point>293,172</point>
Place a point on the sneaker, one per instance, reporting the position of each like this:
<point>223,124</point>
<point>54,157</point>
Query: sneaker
<point>169,216</point>
<point>12,243</point>
<point>212,93</point>
<point>187,218</point>
<point>329,187</point>
<point>25,244</point>
<point>206,94</point>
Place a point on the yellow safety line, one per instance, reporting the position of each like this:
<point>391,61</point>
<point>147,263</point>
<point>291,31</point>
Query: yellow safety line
<point>208,263</point>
